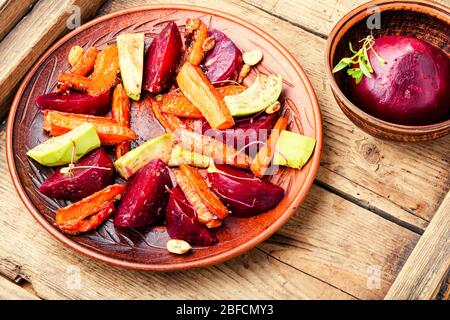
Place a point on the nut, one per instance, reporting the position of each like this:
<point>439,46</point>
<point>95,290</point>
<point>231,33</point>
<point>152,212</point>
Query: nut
<point>75,54</point>
<point>273,108</point>
<point>209,44</point>
<point>252,57</point>
<point>178,246</point>
<point>244,72</point>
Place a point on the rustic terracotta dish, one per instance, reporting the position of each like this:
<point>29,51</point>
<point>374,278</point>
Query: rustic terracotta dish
<point>145,249</point>
<point>421,19</point>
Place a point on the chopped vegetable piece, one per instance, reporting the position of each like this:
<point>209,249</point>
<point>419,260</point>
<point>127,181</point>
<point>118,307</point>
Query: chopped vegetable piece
<point>210,147</point>
<point>201,93</point>
<point>196,32</point>
<point>158,148</point>
<point>70,146</point>
<point>121,113</point>
<point>293,150</point>
<point>75,102</point>
<point>70,218</point>
<point>204,214</point>
<point>168,121</point>
<point>179,155</point>
<point>74,81</point>
<point>182,222</point>
<point>162,58</point>
<point>75,54</point>
<point>262,160</point>
<point>146,197</point>
<point>58,123</point>
<point>105,71</point>
<point>82,67</point>
<point>177,104</point>
<point>131,59</point>
<point>178,246</point>
<point>262,94</point>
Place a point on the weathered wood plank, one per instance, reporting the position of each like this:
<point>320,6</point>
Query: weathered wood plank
<point>429,263</point>
<point>31,36</point>
<point>11,12</point>
<point>11,291</point>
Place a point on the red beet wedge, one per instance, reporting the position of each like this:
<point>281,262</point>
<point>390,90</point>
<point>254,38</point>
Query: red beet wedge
<point>162,59</point>
<point>82,182</point>
<point>75,102</point>
<point>146,196</point>
<point>243,193</point>
<point>182,222</point>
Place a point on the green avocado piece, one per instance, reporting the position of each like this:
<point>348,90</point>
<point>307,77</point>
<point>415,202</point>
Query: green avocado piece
<point>132,161</point>
<point>293,150</point>
<point>263,93</point>
<point>179,155</point>
<point>131,60</point>
<point>57,151</point>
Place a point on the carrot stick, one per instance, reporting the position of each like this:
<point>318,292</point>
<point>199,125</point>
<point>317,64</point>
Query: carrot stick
<point>177,104</point>
<point>210,147</point>
<point>58,123</point>
<point>168,121</point>
<point>121,113</point>
<point>204,214</point>
<point>105,71</point>
<point>198,32</point>
<point>262,160</point>
<point>83,67</point>
<point>71,217</point>
<point>75,81</point>
<point>201,93</point>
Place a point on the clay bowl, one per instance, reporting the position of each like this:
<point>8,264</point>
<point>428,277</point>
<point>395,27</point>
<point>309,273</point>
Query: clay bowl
<point>144,249</point>
<point>421,19</point>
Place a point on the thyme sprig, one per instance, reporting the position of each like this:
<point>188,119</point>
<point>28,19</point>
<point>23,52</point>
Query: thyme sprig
<point>359,64</point>
<point>68,171</point>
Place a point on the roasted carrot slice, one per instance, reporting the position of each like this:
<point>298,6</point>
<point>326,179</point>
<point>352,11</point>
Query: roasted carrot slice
<point>177,104</point>
<point>197,32</point>
<point>199,185</point>
<point>58,123</point>
<point>105,71</point>
<point>262,160</point>
<point>204,215</point>
<point>83,67</point>
<point>79,214</point>
<point>121,113</point>
<point>210,147</point>
<point>75,81</point>
<point>168,121</point>
<point>201,93</point>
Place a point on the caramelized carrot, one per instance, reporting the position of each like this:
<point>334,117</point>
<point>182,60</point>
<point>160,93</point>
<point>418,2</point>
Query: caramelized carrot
<point>168,121</point>
<point>105,71</point>
<point>210,147</point>
<point>204,215</point>
<point>121,113</point>
<point>262,160</point>
<point>90,212</point>
<point>83,67</point>
<point>75,81</point>
<point>201,93</point>
<point>58,123</point>
<point>197,32</point>
<point>177,104</point>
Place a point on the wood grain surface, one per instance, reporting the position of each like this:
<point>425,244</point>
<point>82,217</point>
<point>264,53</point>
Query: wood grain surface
<point>31,36</point>
<point>11,12</point>
<point>350,239</point>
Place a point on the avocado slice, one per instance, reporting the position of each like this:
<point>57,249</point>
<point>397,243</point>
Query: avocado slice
<point>131,60</point>
<point>57,151</point>
<point>132,161</point>
<point>263,93</point>
<point>179,155</point>
<point>293,150</point>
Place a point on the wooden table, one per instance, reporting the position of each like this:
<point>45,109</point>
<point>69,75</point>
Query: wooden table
<point>369,212</point>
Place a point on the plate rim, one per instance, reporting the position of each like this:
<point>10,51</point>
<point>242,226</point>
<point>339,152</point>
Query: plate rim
<point>166,267</point>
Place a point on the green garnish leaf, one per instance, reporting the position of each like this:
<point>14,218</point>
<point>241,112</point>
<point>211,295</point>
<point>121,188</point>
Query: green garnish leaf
<point>359,65</point>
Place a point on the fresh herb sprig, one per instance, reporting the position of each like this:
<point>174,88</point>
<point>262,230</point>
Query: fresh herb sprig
<point>361,59</point>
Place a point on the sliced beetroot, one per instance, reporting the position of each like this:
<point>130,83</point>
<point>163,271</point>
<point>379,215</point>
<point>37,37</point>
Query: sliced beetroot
<point>146,196</point>
<point>162,59</point>
<point>83,181</point>
<point>243,193</point>
<point>182,222</point>
<point>75,102</point>
<point>246,131</point>
<point>224,62</point>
